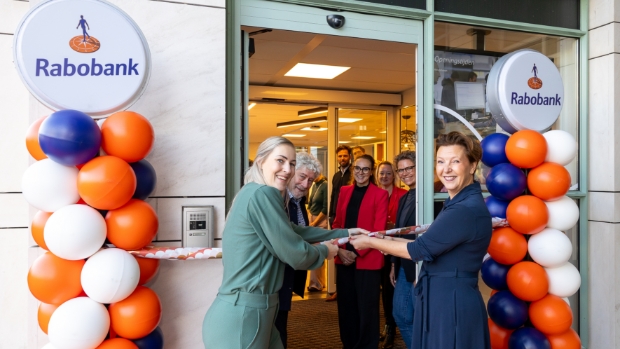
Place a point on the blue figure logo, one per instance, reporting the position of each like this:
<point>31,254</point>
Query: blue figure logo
<point>534,70</point>
<point>84,43</point>
<point>82,23</point>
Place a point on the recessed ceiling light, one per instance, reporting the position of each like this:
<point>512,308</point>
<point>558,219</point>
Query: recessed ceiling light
<point>383,132</point>
<point>344,142</point>
<point>252,105</point>
<point>348,120</point>
<point>314,128</point>
<point>363,137</point>
<point>316,71</point>
<point>293,135</point>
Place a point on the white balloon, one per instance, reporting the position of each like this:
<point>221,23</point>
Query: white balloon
<point>550,248</point>
<point>49,346</point>
<point>49,186</point>
<point>563,213</point>
<point>110,275</point>
<point>75,232</point>
<point>561,147</point>
<point>564,281</point>
<point>79,323</point>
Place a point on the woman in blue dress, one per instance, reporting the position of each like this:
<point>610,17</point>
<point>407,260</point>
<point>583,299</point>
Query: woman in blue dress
<point>449,310</point>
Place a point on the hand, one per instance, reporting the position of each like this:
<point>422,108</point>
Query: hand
<point>347,257</point>
<point>360,242</point>
<point>332,250</point>
<point>393,276</point>
<point>358,231</point>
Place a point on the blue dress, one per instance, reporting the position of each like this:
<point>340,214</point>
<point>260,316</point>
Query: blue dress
<point>449,310</point>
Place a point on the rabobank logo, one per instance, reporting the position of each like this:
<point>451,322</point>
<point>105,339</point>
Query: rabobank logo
<point>84,43</point>
<point>534,82</point>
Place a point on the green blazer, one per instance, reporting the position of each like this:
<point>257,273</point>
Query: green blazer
<point>259,238</point>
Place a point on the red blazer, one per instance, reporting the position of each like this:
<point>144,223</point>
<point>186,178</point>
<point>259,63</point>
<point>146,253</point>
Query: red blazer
<point>397,193</point>
<point>372,217</point>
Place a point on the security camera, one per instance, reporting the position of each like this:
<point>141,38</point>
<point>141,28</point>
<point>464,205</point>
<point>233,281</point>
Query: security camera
<point>335,21</point>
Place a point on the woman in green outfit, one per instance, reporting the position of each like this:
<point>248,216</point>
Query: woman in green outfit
<point>258,239</point>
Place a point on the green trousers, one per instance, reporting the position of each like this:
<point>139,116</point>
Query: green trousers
<point>242,320</point>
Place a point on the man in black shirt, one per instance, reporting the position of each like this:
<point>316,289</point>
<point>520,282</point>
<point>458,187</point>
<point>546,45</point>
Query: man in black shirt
<point>342,177</point>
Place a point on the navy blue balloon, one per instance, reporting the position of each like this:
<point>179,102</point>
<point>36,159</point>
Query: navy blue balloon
<point>153,340</point>
<point>506,182</point>
<point>494,274</point>
<point>494,149</point>
<point>528,338</point>
<point>497,207</point>
<point>145,178</point>
<point>70,137</point>
<point>507,311</point>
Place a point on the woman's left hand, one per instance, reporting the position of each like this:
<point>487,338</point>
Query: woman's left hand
<point>358,231</point>
<point>360,242</point>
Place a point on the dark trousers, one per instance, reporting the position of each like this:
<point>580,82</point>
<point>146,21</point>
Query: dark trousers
<point>358,306</point>
<point>387,292</point>
<point>281,322</point>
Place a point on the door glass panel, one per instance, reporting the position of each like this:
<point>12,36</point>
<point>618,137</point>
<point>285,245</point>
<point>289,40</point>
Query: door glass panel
<point>364,130</point>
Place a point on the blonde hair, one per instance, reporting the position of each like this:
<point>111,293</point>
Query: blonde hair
<point>254,174</point>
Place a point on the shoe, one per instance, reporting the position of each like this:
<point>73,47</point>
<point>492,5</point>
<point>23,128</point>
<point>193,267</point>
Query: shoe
<point>389,338</point>
<point>313,288</point>
<point>383,334</point>
<point>332,298</point>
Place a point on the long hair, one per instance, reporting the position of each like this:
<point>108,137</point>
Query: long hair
<point>255,174</point>
<point>369,158</point>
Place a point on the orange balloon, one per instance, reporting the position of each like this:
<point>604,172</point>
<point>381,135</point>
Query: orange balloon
<point>137,315</point>
<point>44,314</point>
<point>551,315</point>
<point>128,135</point>
<point>37,226</point>
<point>132,226</point>
<point>526,149</point>
<point>493,292</point>
<point>528,281</point>
<point>499,335</point>
<point>117,343</point>
<point>54,280</point>
<point>548,181</point>
<point>106,182</point>
<point>148,269</point>
<point>32,140</point>
<point>527,214</point>
<point>507,246</point>
<point>567,340</point>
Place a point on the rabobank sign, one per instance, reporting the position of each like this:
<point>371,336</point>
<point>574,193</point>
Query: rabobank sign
<point>86,55</point>
<point>525,91</point>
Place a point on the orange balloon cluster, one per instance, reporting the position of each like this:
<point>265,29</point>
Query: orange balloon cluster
<point>32,140</point>
<point>132,226</point>
<point>148,269</point>
<point>528,281</point>
<point>137,315</point>
<point>548,181</point>
<point>526,149</point>
<point>106,182</point>
<point>37,227</point>
<point>54,280</point>
<point>44,313</point>
<point>507,246</point>
<point>551,315</point>
<point>567,340</point>
<point>499,336</point>
<point>527,214</point>
<point>127,135</point>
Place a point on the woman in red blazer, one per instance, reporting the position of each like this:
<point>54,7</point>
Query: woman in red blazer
<point>358,273</point>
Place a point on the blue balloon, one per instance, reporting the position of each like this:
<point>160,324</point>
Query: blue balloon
<point>497,207</point>
<point>494,149</point>
<point>153,340</point>
<point>507,311</point>
<point>506,182</point>
<point>494,274</point>
<point>70,137</point>
<point>528,338</point>
<point>145,178</point>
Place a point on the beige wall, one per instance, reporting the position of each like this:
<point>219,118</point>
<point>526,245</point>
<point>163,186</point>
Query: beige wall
<point>184,101</point>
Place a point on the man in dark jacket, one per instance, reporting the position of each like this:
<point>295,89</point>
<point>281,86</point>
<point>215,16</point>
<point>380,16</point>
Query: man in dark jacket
<point>342,177</point>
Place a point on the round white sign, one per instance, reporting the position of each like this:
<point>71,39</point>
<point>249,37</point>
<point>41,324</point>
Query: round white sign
<point>525,91</point>
<point>86,55</point>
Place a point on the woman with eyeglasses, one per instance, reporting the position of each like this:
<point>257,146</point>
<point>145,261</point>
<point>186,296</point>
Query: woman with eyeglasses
<point>358,273</point>
<point>387,181</point>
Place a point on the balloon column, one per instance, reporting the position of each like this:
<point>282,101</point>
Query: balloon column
<point>527,309</point>
<point>90,293</point>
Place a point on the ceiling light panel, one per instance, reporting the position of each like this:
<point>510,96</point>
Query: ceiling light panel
<point>316,71</point>
<point>316,129</point>
<point>348,120</point>
<point>363,137</point>
<point>293,135</point>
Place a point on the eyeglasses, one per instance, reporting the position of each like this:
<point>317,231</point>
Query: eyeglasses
<point>363,170</point>
<point>409,169</point>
